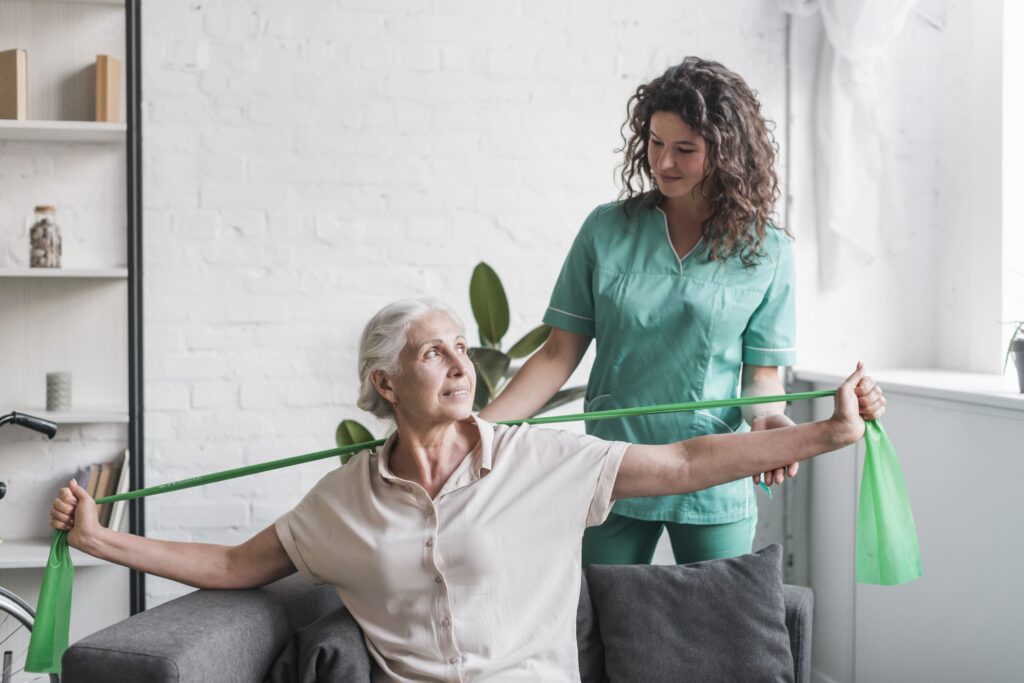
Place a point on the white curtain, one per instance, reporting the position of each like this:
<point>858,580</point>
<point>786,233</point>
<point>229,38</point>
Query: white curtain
<point>857,200</point>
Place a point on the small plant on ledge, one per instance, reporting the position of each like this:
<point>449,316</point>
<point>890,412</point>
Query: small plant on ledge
<point>1016,349</point>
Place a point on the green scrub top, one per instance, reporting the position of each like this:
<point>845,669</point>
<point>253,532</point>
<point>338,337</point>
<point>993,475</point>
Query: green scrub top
<point>671,330</point>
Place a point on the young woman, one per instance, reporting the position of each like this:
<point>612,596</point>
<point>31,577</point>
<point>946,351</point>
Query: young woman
<point>687,288</point>
<point>456,547</point>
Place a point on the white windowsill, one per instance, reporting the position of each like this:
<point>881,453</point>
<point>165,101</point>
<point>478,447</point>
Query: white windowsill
<point>996,391</point>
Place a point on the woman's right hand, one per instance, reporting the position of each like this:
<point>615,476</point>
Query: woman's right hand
<point>74,511</point>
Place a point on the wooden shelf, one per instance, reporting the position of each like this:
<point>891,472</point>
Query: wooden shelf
<point>62,131</point>
<point>34,554</point>
<point>83,273</point>
<point>80,416</point>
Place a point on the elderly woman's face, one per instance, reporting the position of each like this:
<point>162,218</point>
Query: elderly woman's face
<point>436,378</point>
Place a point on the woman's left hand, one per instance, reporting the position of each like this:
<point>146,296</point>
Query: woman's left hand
<point>871,405</point>
<point>870,399</point>
<point>774,422</point>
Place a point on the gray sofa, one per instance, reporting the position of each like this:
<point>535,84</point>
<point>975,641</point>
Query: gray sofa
<point>239,635</point>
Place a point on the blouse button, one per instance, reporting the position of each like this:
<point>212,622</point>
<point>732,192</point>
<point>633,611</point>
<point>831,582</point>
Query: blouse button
<point>446,622</point>
<point>438,579</point>
<point>430,543</point>
<point>453,660</point>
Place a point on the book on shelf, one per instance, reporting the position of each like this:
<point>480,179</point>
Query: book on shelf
<point>108,89</point>
<point>103,489</point>
<point>14,85</point>
<point>118,509</point>
<point>94,479</point>
<point>106,479</point>
<point>82,477</point>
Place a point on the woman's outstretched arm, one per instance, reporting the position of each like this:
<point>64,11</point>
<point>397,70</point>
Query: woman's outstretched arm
<point>259,561</point>
<point>705,461</point>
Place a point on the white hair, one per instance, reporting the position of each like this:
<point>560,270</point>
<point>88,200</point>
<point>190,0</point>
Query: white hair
<point>383,339</point>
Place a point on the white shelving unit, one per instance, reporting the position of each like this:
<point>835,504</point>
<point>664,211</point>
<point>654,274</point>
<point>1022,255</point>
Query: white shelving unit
<point>78,318</point>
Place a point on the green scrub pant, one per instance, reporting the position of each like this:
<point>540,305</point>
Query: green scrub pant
<point>624,540</point>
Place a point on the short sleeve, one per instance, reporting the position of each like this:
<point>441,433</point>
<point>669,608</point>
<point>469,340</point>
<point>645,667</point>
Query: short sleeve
<point>579,471</point>
<point>770,337</point>
<point>601,503</point>
<point>572,301</point>
<point>297,531</point>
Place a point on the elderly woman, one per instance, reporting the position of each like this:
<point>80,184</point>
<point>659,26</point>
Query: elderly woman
<point>456,547</point>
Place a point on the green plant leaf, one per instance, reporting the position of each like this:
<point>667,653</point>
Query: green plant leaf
<point>490,368</point>
<point>490,305</point>
<point>484,342</point>
<point>348,433</point>
<point>481,397</point>
<point>561,398</point>
<point>530,342</point>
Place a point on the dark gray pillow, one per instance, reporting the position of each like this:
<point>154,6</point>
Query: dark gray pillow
<point>721,620</point>
<point>329,649</point>
<point>588,638</point>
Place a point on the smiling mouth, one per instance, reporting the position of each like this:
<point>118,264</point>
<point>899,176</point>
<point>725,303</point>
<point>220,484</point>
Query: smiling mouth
<point>457,393</point>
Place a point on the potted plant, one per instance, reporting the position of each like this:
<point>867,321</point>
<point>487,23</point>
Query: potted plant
<point>494,367</point>
<point>1016,349</point>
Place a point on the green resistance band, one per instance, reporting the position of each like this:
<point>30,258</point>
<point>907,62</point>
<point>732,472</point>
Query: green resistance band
<point>887,552</point>
<point>554,419</point>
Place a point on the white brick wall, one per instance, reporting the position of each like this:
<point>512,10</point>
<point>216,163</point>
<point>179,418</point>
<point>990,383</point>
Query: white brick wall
<point>306,163</point>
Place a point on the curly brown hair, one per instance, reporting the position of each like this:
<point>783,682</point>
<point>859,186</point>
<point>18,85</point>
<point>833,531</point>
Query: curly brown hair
<point>741,186</point>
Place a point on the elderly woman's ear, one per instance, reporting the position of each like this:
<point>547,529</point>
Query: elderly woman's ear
<point>382,383</point>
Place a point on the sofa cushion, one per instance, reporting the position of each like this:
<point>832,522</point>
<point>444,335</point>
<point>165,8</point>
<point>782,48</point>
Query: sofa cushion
<point>329,649</point>
<point>720,620</point>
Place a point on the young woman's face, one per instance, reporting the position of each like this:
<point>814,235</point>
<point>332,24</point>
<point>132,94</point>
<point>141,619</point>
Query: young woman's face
<point>436,379</point>
<point>676,154</point>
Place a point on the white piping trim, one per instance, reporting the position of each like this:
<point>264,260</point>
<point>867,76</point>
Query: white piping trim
<point>759,348</point>
<point>571,315</point>
<point>668,236</point>
<point>718,420</point>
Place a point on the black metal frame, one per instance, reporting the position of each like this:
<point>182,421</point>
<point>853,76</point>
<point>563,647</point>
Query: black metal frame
<point>136,442</point>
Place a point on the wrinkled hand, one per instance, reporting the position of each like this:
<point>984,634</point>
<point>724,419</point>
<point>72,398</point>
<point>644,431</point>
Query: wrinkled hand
<point>869,398</point>
<point>774,422</point>
<point>857,399</point>
<point>74,511</point>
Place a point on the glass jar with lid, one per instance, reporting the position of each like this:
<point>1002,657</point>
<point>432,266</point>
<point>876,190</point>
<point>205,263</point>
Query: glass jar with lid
<point>45,239</point>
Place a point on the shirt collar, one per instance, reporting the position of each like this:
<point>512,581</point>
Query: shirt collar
<point>484,460</point>
<point>483,456</point>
